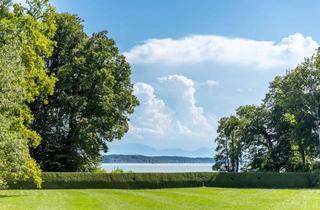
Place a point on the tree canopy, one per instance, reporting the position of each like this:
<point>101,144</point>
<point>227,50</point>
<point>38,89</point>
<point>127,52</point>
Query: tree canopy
<point>63,94</point>
<point>280,133</point>
<point>25,39</point>
<point>91,103</point>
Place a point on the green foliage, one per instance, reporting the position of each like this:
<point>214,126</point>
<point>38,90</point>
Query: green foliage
<point>279,134</point>
<point>117,171</point>
<point>229,144</point>
<point>25,39</point>
<point>92,101</point>
<point>15,160</point>
<point>99,170</point>
<point>169,180</point>
<point>315,178</point>
<point>58,84</point>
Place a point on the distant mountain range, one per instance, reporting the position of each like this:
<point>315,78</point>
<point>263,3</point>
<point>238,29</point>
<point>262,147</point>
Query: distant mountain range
<point>140,149</point>
<point>153,159</point>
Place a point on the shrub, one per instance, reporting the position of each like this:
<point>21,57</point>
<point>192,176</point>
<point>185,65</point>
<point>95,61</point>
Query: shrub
<point>315,178</point>
<point>117,171</point>
<point>170,180</point>
<point>262,180</point>
<point>100,170</point>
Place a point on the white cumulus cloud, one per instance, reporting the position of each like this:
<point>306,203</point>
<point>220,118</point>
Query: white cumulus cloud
<point>224,50</point>
<point>190,117</point>
<point>152,115</point>
<point>177,117</point>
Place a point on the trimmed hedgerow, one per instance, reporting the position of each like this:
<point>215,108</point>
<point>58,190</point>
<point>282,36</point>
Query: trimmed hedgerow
<point>169,180</point>
<point>262,180</point>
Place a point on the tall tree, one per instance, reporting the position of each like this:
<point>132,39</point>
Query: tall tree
<point>91,103</point>
<point>25,39</point>
<point>15,160</point>
<point>229,143</point>
<point>299,97</point>
<point>255,138</point>
<point>265,145</point>
<point>280,134</point>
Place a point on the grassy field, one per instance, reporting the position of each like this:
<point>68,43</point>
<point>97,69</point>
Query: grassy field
<point>190,198</point>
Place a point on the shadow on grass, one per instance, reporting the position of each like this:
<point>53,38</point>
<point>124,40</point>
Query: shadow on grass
<point>12,196</point>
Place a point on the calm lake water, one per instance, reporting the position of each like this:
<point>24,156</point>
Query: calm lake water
<point>158,168</point>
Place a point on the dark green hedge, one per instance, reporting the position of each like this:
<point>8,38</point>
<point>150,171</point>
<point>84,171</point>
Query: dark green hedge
<point>169,180</point>
<point>262,180</point>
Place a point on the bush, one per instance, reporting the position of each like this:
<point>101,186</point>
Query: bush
<point>316,165</point>
<point>262,180</point>
<point>100,170</point>
<point>315,178</point>
<point>117,171</point>
<point>170,180</point>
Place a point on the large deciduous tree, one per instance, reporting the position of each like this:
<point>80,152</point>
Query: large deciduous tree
<point>25,40</point>
<point>229,144</point>
<point>280,134</point>
<point>15,160</point>
<point>299,97</point>
<point>91,103</point>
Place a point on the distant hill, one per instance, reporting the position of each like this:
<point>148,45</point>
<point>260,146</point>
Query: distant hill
<point>141,149</point>
<point>153,159</point>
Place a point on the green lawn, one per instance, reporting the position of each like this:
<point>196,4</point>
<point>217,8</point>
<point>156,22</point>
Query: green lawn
<point>190,198</point>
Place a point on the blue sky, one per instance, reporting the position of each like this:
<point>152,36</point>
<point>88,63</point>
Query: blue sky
<point>196,61</point>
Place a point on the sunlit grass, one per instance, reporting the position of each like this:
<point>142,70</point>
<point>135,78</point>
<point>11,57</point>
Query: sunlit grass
<point>190,198</point>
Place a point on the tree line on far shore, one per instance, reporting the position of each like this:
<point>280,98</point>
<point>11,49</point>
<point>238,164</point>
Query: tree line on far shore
<point>280,134</point>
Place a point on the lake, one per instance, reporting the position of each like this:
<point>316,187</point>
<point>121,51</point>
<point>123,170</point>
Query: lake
<point>159,167</point>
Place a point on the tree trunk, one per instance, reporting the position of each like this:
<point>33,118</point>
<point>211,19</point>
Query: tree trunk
<point>303,156</point>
